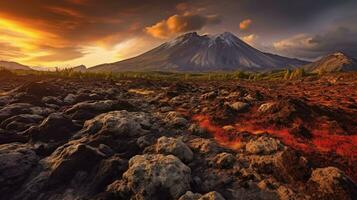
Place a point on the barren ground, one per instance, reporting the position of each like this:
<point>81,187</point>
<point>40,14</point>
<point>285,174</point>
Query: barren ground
<point>143,139</point>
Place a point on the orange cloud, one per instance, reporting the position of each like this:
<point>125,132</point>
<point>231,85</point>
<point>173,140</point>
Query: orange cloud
<point>179,24</point>
<point>47,32</point>
<point>245,24</point>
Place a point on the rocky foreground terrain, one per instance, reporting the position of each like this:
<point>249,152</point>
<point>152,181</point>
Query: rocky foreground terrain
<point>206,140</point>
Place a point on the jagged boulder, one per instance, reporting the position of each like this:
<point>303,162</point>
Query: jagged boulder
<point>176,147</point>
<point>174,118</point>
<point>224,160</point>
<point>70,158</point>
<point>52,100</point>
<point>86,110</point>
<point>69,99</point>
<point>262,145</point>
<point>108,170</point>
<point>332,183</point>
<point>56,127</point>
<point>156,176</point>
<point>290,166</point>
<point>20,122</point>
<point>118,123</point>
<point>14,109</point>
<point>239,106</point>
<point>16,163</point>
<point>203,146</point>
<point>266,107</point>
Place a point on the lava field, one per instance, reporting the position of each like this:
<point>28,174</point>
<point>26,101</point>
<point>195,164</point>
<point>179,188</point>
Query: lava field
<point>63,138</point>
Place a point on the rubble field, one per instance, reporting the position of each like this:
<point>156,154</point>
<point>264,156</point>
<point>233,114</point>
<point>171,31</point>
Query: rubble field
<point>63,138</point>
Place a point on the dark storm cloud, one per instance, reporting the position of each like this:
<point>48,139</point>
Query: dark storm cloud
<point>341,39</point>
<point>306,46</point>
<point>289,11</point>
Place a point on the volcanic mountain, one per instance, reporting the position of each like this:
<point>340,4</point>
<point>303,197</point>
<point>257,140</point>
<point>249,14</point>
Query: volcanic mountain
<point>333,63</point>
<point>13,66</point>
<point>193,52</point>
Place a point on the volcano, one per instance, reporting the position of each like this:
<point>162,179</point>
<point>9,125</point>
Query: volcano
<point>199,53</point>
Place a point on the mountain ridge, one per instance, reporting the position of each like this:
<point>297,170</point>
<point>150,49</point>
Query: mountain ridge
<point>13,65</point>
<point>334,62</point>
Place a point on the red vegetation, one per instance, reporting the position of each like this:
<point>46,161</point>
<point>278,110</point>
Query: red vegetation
<point>322,142</point>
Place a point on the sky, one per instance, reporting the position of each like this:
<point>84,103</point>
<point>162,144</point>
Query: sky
<point>67,33</point>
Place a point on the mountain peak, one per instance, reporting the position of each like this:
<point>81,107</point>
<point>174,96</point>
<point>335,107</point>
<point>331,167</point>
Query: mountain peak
<point>338,53</point>
<point>228,35</point>
<point>194,52</point>
<point>189,35</point>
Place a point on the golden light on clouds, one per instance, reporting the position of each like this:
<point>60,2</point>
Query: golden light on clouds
<point>37,48</point>
<point>177,24</point>
<point>73,32</point>
<point>52,33</point>
<point>296,41</point>
<point>245,24</point>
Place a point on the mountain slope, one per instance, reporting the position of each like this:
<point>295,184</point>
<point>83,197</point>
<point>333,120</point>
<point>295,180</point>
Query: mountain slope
<point>192,52</point>
<point>333,63</point>
<point>13,66</point>
<point>80,68</point>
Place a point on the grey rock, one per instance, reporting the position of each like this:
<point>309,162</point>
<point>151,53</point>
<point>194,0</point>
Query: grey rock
<point>176,147</point>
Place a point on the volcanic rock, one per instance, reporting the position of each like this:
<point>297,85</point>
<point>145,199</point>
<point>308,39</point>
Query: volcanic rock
<point>239,106</point>
<point>224,160</point>
<point>203,146</point>
<point>70,98</point>
<point>87,110</point>
<point>52,100</point>
<point>108,170</point>
<point>70,158</point>
<point>209,95</point>
<point>57,127</point>
<point>263,145</point>
<point>175,119</point>
<point>118,123</point>
<point>14,109</point>
<point>40,89</point>
<point>266,107</point>
<point>20,122</point>
<point>16,163</point>
<point>156,177</point>
<point>290,166</point>
<point>332,183</point>
<point>176,147</point>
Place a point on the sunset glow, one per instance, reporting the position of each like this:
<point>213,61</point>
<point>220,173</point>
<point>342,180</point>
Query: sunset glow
<point>72,32</point>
